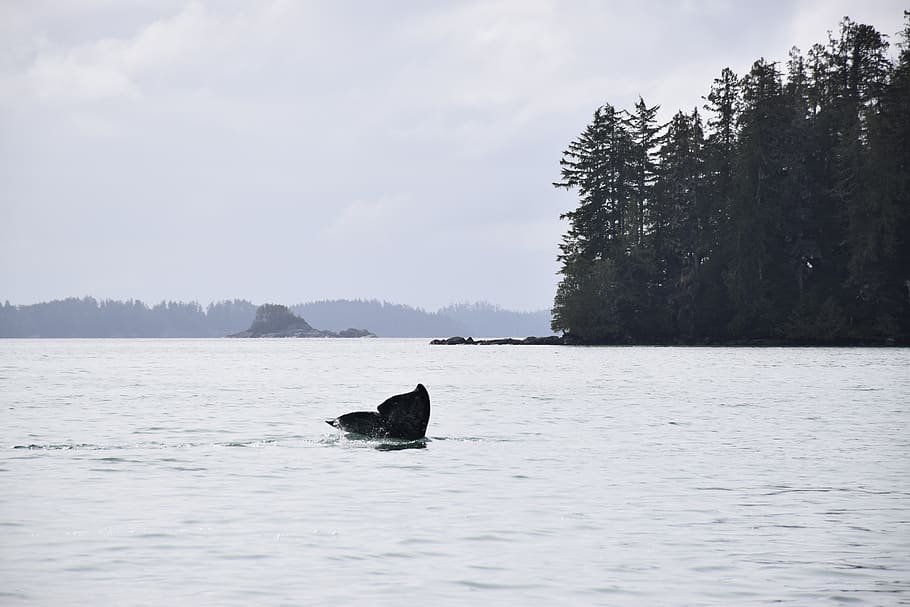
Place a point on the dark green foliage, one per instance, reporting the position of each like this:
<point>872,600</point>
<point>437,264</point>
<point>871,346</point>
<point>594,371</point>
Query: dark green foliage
<point>599,164</point>
<point>644,132</point>
<point>683,224</point>
<point>785,216</point>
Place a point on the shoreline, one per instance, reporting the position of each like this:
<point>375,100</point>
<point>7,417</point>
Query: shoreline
<point>569,340</point>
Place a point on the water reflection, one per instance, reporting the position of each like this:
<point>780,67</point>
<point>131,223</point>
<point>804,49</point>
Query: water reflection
<point>398,446</point>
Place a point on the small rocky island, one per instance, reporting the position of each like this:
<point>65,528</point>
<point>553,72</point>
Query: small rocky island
<point>273,320</point>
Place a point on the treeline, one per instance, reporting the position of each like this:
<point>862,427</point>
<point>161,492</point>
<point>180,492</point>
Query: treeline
<point>396,320</point>
<point>487,320</point>
<point>381,318</point>
<point>88,317</point>
<point>782,214</point>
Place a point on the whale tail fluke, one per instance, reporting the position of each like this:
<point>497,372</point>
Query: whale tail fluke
<point>407,415</point>
<point>401,416</point>
<point>367,423</point>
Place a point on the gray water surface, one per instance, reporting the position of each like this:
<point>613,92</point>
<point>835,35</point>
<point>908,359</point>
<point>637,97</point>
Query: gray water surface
<point>184,472</point>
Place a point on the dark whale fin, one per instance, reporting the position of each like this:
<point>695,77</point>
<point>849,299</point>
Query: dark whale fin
<point>402,416</point>
<point>406,415</point>
<point>368,423</point>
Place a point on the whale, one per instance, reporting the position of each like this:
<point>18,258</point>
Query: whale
<point>404,416</point>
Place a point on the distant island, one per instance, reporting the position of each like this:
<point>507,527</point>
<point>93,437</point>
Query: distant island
<point>274,320</point>
<point>87,317</point>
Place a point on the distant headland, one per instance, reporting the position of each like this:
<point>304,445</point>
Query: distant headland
<point>775,214</point>
<point>274,320</point>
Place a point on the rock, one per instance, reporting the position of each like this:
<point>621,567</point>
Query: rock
<point>273,320</point>
<point>550,340</point>
<point>355,333</point>
<point>508,341</point>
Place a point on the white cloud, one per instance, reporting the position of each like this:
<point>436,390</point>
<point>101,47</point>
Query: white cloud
<point>69,76</point>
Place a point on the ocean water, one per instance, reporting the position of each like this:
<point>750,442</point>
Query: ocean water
<point>188,472</point>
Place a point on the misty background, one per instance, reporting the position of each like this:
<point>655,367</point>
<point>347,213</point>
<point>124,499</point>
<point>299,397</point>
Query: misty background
<point>305,151</point>
<point>88,317</point>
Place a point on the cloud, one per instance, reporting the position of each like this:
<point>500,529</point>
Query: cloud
<point>69,76</point>
<point>372,222</point>
<point>382,141</point>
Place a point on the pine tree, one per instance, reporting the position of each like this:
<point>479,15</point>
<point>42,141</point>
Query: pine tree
<point>756,211</point>
<point>880,226</point>
<point>607,291</point>
<point>644,131</point>
<point>597,164</point>
<point>681,220</point>
<point>724,104</point>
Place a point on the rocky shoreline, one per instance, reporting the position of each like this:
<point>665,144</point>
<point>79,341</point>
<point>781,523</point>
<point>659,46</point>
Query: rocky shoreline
<point>303,332</point>
<point>572,340</point>
<point>550,340</point>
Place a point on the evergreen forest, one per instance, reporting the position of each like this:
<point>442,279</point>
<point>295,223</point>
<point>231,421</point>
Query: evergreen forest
<point>777,213</point>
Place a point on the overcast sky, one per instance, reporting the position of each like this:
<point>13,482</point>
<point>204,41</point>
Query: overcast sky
<point>287,151</point>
